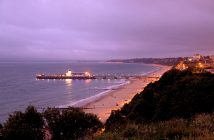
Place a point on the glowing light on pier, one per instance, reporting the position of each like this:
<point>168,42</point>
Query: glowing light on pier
<point>87,74</point>
<point>69,73</point>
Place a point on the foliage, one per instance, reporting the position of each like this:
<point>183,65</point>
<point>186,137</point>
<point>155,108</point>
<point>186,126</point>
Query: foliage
<point>1,127</point>
<point>62,124</point>
<point>71,123</point>
<point>199,127</point>
<point>27,125</point>
<point>178,94</point>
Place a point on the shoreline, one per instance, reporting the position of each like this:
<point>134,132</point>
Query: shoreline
<point>115,99</point>
<point>84,102</point>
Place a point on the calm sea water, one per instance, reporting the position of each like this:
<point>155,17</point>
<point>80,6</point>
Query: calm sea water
<point>19,87</point>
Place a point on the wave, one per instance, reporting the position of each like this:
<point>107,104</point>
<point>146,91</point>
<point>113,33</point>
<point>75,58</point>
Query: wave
<point>96,97</point>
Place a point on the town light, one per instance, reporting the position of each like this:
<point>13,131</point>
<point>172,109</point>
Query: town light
<point>200,65</point>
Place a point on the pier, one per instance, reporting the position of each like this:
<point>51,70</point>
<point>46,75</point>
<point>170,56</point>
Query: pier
<point>96,77</point>
<point>123,77</point>
<point>87,75</point>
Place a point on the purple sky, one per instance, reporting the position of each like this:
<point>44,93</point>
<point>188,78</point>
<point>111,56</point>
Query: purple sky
<point>105,29</point>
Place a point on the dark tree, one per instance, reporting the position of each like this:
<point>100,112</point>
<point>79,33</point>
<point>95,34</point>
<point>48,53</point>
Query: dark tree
<point>24,126</point>
<point>71,123</point>
<point>1,127</point>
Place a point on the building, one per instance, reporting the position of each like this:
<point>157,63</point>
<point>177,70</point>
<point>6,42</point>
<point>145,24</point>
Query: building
<point>212,57</point>
<point>197,57</point>
<point>181,66</point>
<point>69,73</point>
<point>190,59</point>
<point>210,70</point>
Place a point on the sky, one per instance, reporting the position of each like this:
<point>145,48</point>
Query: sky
<point>105,29</point>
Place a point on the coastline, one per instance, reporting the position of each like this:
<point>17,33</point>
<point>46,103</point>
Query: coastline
<point>83,102</point>
<point>115,99</point>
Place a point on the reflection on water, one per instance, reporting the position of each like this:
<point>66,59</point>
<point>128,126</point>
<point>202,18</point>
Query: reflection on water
<point>87,81</point>
<point>68,82</point>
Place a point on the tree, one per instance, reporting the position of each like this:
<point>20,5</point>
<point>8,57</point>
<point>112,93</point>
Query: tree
<point>71,123</point>
<point>27,125</point>
<point>1,127</point>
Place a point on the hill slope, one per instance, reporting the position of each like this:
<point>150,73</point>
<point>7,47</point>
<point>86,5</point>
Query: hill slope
<point>178,94</point>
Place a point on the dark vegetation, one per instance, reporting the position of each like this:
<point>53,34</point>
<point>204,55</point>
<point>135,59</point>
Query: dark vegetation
<point>71,123</point>
<point>199,127</point>
<point>27,125</point>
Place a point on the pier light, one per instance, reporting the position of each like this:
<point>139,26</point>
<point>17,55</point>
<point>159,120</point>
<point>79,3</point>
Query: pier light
<point>69,73</point>
<point>87,74</point>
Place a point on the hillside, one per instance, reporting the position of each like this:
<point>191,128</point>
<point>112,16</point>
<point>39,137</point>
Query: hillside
<point>161,61</point>
<point>177,95</point>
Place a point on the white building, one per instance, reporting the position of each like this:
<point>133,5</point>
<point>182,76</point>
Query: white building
<point>197,57</point>
<point>181,66</point>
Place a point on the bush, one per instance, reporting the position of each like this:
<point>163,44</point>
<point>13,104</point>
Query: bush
<point>71,123</point>
<point>1,127</point>
<point>27,125</point>
<point>108,136</point>
<point>115,121</point>
<point>199,127</point>
<point>130,131</point>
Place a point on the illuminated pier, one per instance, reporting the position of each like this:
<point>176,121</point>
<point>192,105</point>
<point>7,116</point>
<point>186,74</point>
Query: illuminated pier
<point>86,75</point>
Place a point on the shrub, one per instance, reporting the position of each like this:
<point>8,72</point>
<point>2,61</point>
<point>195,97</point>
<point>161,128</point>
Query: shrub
<point>71,123</point>
<point>130,131</point>
<point>199,127</point>
<point>27,125</point>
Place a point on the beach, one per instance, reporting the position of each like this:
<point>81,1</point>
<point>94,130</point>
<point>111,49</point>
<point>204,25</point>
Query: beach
<point>118,97</point>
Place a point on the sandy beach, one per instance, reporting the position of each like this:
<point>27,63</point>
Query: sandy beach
<point>117,98</point>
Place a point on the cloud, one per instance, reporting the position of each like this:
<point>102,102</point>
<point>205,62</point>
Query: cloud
<point>71,29</point>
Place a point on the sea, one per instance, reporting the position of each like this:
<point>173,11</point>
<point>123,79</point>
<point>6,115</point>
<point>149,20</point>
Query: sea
<point>20,88</point>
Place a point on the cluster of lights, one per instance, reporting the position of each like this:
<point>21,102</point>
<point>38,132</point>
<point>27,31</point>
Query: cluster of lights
<point>69,73</point>
<point>87,74</point>
<point>200,65</point>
